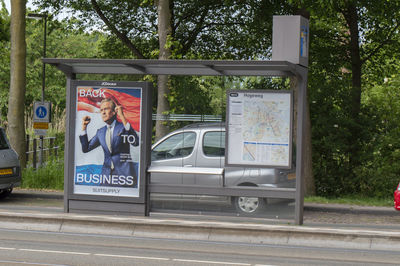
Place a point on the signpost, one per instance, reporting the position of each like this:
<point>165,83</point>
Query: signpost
<point>41,117</point>
<point>41,120</point>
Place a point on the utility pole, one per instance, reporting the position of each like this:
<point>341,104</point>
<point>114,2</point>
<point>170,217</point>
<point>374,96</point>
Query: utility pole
<point>44,17</point>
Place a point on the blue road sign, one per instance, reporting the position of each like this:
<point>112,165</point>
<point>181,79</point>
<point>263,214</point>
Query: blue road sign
<point>41,112</point>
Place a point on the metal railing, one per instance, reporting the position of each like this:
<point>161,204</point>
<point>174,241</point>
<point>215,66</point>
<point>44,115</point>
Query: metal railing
<point>40,149</point>
<point>188,117</point>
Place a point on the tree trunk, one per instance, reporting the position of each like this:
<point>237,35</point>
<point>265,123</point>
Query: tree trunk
<point>16,101</point>
<point>164,30</point>
<point>351,17</point>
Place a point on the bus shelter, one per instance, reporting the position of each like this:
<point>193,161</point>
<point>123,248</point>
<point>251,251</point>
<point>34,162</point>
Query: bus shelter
<point>140,205</point>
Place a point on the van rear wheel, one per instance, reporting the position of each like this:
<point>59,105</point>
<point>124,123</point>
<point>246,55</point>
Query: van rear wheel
<point>249,205</point>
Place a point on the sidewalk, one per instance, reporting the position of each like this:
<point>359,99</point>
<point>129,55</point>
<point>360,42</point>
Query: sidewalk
<point>336,226</point>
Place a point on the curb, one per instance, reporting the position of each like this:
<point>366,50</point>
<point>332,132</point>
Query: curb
<point>28,194</point>
<point>149,227</point>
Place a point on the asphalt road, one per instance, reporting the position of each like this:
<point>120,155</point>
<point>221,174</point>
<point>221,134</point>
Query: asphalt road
<point>133,243</point>
<point>19,247</point>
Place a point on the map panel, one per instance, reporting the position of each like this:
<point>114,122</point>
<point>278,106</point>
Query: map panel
<point>259,128</point>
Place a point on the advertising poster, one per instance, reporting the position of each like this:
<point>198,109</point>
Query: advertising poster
<point>107,144</point>
<point>259,128</point>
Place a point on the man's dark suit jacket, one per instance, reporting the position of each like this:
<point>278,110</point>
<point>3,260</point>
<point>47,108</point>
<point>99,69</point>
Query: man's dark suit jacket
<point>120,155</point>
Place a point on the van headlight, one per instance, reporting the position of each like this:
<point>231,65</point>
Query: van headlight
<point>16,170</point>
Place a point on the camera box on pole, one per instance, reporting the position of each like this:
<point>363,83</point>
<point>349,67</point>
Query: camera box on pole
<point>290,39</point>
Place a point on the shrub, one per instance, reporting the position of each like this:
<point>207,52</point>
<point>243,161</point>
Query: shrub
<point>49,176</point>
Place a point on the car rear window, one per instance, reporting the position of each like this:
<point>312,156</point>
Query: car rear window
<point>3,142</point>
<point>214,143</point>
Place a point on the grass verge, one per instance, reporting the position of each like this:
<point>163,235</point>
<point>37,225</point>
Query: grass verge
<point>49,176</point>
<point>352,200</point>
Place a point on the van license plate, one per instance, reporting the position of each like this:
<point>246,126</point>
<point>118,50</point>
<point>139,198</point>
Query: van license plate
<point>7,171</point>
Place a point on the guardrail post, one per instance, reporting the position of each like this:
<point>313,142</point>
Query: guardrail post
<point>27,149</point>
<point>51,145</point>
<point>34,153</point>
<point>41,151</point>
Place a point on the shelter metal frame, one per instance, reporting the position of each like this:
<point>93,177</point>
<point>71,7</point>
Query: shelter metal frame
<point>72,67</point>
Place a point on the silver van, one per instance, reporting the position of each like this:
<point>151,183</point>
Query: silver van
<point>10,170</point>
<point>202,146</point>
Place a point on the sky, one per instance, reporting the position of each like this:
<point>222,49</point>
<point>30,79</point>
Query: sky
<point>29,5</point>
<point>8,5</point>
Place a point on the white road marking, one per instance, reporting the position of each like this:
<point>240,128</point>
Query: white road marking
<point>3,248</point>
<point>9,262</point>
<point>213,262</point>
<point>54,251</point>
<point>131,257</point>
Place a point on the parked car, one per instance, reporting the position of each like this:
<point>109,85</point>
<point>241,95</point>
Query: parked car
<point>397,198</point>
<point>10,171</point>
<point>202,146</point>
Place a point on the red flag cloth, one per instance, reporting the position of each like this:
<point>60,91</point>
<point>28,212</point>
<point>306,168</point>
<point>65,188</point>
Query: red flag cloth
<point>397,198</point>
<point>89,100</point>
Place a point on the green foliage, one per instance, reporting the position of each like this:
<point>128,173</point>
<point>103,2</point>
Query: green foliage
<point>4,23</point>
<point>63,41</point>
<point>50,176</point>
<point>344,162</point>
<point>4,63</point>
<point>380,171</point>
<point>206,29</point>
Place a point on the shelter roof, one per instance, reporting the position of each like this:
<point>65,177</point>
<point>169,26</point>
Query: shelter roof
<point>175,67</point>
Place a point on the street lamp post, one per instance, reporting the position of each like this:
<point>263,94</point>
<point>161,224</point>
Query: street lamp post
<point>44,17</point>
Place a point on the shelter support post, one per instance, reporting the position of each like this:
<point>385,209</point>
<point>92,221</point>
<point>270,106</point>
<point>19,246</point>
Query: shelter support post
<point>69,152</point>
<point>301,112</point>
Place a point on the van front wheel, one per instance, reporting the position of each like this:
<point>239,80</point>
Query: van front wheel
<point>5,193</point>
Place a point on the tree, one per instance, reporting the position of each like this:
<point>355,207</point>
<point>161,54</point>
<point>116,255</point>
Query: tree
<point>196,29</point>
<point>4,23</point>
<point>379,175</point>
<point>164,30</point>
<point>350,38</point>
<point>4,62</point>
<point>16,126</point>
<point>63,40</point>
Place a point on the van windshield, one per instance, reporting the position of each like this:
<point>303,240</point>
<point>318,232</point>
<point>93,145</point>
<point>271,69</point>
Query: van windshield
<point>3,142</point>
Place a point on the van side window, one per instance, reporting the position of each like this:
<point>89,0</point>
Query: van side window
<point>176,146</point>
<point>214,143</point>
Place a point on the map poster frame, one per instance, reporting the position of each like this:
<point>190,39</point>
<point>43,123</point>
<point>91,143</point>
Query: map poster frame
<point>259,128</point>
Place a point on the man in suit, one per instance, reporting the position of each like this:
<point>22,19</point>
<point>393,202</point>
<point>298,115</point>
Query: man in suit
<point>115,138</point>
